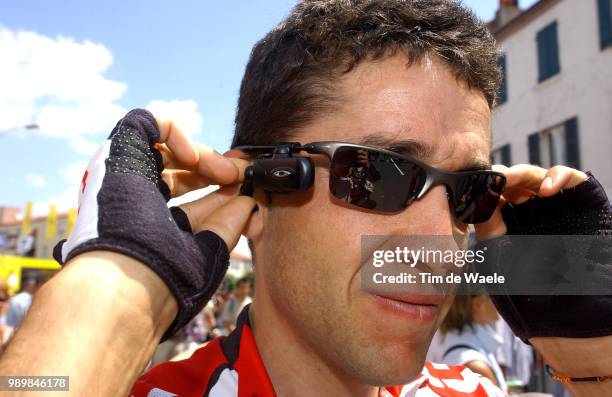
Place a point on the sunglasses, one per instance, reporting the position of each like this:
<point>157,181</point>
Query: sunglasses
<point>385,181</point>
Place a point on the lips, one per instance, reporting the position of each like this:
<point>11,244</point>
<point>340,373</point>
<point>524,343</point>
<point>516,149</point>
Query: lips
<point>414,307</point>
<point>428,300</point>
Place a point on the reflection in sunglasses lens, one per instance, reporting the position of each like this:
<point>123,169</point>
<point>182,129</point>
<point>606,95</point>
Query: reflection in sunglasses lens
<point>476,196</point>
<point>376,180</point>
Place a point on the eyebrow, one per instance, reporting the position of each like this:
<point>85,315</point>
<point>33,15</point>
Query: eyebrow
<point>411,147</point>
<point>419,150</point>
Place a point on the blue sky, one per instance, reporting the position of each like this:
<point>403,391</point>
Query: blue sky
<point>73,67</point>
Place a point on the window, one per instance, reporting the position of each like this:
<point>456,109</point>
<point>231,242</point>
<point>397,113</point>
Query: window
<point>502,95</point>
<point>502,156</point>
<point>548,52</point>
<point>557,145</point>
<point>605,22</point>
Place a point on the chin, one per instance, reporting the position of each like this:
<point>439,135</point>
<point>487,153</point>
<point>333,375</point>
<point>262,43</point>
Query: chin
<point>393,341</point>
<point>387,355</point>
<point>392,366</point>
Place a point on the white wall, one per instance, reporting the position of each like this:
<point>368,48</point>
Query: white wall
<point>583,87</point>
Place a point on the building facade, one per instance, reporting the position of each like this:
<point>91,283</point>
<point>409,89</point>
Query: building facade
<point>555,103</point>
<point>41,244</point>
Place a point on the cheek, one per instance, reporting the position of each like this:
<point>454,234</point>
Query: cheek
<point>313,240</point>
<point>329,226</point>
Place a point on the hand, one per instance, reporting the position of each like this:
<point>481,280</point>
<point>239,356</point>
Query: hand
<point>524,182</point>
<point>122,208</point>
<point>572,331</point>
<point>188,167</point>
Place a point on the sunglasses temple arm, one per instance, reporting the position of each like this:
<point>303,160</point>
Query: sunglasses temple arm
<point>325,148</point>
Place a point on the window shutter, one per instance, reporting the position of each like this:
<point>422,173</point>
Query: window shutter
<point>572,147</point>
<point>605,22</point>
<point>541,56</point>
<point>554,50</point>
<point>548,52</point>
<point>506,156</point>
<point>533,142</point>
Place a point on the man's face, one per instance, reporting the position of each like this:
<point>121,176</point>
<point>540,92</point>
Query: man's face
<point>310,252</point>
<point>242,290</point>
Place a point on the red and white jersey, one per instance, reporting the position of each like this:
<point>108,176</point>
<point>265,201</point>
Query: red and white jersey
<point>232,367</point>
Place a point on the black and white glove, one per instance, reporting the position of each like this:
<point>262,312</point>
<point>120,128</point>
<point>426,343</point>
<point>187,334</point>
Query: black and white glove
<point>123,208</point>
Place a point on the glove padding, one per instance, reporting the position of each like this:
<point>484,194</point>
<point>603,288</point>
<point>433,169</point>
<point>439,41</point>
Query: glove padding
<point>582,210</point>
<point>122,208</point>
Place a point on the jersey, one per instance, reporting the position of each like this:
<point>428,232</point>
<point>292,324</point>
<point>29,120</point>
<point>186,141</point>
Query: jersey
<point>231,367</point>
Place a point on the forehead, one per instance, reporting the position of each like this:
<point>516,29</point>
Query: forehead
<point>385,101</point>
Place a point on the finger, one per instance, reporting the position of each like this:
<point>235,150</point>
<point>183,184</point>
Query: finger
<point>560,177</point>
<point>525,176</point>
<point>197,211</point>
<point>171,162</point>
<point>518,195</point>
<point>499,168</point>
<point>241,165</point>
<point>177,141</point>
<point>237,154</point>
<point>229,221</point>
<point>182,181</point>
<point>169,159</point>
<point>220,169</point>
<point>213,168</point>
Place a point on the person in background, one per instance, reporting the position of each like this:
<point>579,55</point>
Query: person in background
<point>218,302</point>
<point>515,358</point>
<point>20,303</point>
<point>468,337</point>
<point>201,328</point>
<point>234,305</point>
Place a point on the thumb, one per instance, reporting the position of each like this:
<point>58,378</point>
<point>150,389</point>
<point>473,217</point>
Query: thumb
<point>229,220</point>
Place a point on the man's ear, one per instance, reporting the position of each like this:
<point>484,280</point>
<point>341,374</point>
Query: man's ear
<point>254,226</point>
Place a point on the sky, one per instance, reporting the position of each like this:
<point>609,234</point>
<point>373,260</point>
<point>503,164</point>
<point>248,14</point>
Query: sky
<point>75,67</point>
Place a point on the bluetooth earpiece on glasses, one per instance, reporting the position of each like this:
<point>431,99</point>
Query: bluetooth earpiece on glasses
<point>371,178</point>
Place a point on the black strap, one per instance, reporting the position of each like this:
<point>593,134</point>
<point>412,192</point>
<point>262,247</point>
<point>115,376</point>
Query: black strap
<point>455,347</point>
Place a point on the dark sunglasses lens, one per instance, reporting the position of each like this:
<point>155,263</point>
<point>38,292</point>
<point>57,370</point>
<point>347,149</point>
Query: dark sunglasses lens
<point>374,180</point>
<point>475,196</point>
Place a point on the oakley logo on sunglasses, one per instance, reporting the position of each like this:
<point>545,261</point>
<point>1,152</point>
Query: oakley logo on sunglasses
<point>371,178</point>
<point>282,172</point>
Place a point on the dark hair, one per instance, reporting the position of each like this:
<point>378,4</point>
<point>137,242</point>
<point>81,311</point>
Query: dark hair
<point>243,280</point>
<point>290,75</point>
<point>460,315</point>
